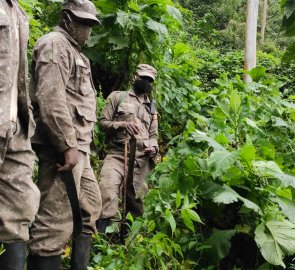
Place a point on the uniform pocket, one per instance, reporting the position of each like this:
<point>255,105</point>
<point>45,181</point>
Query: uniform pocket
<point>83,79</point>
<point>126,112</point>
<point>86,113</point>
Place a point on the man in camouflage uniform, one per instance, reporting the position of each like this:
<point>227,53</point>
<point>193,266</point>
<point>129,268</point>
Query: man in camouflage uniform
<point>128,114</point>
<point>19,197</point>
<point>64,101</point>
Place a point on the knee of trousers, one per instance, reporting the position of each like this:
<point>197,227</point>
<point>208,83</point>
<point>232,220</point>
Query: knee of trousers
<point>17,212</point>
<point>110,201</point>
<point>50,242</point>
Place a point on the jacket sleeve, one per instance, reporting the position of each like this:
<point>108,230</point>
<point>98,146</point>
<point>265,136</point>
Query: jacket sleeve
<point>107,122</point>
<point>153,132</point>
<point>52,70</point>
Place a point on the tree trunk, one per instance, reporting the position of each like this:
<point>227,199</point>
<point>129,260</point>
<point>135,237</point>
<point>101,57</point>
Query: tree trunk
<point>251,36</point>
<point>263,22</point>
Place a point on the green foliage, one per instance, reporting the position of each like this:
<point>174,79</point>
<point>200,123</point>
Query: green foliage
<point>276,238</point>
<point>227,177</point>
<point>132,32</point>
<point>289,27</point>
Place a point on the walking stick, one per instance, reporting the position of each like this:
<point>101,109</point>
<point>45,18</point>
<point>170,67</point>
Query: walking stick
<point>124,192</point>
<point>129,161</point>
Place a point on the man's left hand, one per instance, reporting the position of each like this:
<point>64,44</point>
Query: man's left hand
<point>150,152</point>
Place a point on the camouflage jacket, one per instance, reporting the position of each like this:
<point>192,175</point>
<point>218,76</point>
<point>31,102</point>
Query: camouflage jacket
<point>9,61</point>
<point>62,92</point>
<point>129,108</point>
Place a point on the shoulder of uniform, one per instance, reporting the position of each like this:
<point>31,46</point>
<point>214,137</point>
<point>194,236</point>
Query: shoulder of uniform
<point>115,94</point>
<point>52,37</point>
<point>52,45</point>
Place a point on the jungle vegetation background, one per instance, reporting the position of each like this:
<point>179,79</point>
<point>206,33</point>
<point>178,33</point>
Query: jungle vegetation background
<point>223,195</point>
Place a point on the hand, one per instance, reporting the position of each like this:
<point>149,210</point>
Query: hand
<point>131,128</point>
<point>71,160</point>
<point>150,152</point>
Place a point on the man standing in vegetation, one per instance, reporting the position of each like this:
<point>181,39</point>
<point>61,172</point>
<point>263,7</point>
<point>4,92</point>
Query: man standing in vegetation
<point>64,101</point>
<point>129,114</point>
<point>19,197</point>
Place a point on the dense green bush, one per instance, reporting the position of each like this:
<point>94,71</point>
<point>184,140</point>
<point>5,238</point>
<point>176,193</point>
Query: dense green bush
<point>223,196</point>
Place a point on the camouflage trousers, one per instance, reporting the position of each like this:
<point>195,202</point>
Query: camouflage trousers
<point>110,183</point>
<point>19,196</point>
<point>54,225</point>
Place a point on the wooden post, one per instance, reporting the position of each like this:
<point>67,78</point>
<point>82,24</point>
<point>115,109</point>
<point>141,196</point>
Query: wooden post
<point>251,36</point>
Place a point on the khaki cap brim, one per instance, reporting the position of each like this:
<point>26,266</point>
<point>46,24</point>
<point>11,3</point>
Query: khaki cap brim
<point>86,16</point>
<point>144,73</point>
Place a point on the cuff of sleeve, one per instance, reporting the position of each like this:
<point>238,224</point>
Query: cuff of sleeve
<point>64,145</point>
<point>156,147</point>
<point>117,125</point>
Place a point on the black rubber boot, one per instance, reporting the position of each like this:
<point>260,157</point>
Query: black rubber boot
<point>13,257</point>
<point>81,252</point>
<point>102,224</point>
<point>43,263</point>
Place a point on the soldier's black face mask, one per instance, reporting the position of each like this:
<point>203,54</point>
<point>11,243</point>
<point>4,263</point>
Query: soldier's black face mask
<point>143,85</point>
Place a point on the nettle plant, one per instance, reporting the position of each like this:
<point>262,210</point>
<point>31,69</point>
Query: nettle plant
<point>226,191</point>
<point>223,196</point>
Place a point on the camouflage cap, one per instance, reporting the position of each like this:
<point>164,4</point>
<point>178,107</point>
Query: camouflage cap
<point>146,70</point>
<point>83,9</point>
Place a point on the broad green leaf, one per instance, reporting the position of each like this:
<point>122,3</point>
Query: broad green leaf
<point>248,153</point>
<point>157,27</point>
<point>106,6</point>
<point>279,122</point>
<point>119,42</point>
<point>275,240</point>
<point>227,195</point>
<point>270,168</point>
<point>220,244</point>
<point>252,124</point>
<point>178,199</point>
<point>199,136</point>
<point>134,6</point>
<point>151,226</point>
<point>180,48</point>
<point>224,106</point>
<point>95,39</point>
<point>222,139</point>
<point>175,13</point>
<point>287,206</point>
<point>220,161</point>
<point>286,179</point>
<point>265,266</point>
<point>266,168</point>
<point>257,73</point>
<point>267,149</point>
<point>235,101</point>
<point>170,219</point>
<point>122,18</point>
<point>187,220</point>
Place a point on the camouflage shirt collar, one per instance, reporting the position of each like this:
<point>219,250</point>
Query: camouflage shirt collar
<point>146,98</point>
<point>64,32</point>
